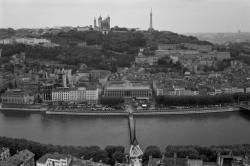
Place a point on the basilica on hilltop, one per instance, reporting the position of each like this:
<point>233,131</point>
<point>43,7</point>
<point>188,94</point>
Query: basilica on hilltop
<point>103,24</point>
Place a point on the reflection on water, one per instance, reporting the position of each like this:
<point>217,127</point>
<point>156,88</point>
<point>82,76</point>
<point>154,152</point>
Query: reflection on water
<point>201,129</point>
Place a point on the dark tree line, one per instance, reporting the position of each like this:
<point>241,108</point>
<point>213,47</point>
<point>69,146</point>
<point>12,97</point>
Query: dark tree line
<point>201,100</point>
<point>117,49</point>
<point>109,155</point>
<point>207,154</point>
<point>112,101</point>
<point>72,55</point>
<point>113,153</point>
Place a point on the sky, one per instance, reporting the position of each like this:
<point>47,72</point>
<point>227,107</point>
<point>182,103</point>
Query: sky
<point>181,16</point>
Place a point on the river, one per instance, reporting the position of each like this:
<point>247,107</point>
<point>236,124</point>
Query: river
<point>196,129</point>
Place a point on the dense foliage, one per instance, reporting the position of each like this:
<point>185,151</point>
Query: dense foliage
<point>112,153</point>
<point>240,51</point>
<point>167,37</point>
<point>205,153</point>
<point>94,58</point>
<point>117,49</point>
<point>108,155</point>
<point>115,154</point>
<point>196,152</point>
<point>73,37</point>
<point>201,100</point>
<point>111,101</point>
<point>152,151</point>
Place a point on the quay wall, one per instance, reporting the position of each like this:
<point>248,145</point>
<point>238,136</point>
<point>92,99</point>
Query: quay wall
<point>138,112</point>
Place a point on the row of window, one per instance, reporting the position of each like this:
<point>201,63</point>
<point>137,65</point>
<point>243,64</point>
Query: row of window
<point>144,93</point>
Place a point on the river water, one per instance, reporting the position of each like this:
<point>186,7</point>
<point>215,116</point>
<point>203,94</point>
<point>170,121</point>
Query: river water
<point>202,129</point>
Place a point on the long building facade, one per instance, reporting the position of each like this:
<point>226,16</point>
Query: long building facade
<point>16,96</point>
<point>128,90</point>
<point>76,95</point>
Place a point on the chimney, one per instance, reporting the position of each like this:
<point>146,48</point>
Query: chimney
<point>230,153</point>
<point>150,157</point>
<point>175,158</point>
<point>116,163</point>
<point>175,155</point>
<point>162,157</point>
<point>218,158</point>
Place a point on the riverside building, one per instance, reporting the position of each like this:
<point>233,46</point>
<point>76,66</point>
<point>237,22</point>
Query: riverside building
<point>128,89</point>
<point>88,94</point>
<point>17,96</point>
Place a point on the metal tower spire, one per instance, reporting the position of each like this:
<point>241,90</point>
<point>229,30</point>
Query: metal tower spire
<point>151,20</point>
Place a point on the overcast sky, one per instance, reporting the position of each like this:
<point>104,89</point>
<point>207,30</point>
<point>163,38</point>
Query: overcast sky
<point>173,15</point>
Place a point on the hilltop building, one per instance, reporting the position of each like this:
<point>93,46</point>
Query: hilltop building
<point>103,25</point>
<point>142,59</point>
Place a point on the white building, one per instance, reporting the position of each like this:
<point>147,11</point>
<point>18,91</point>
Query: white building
<point>89,94</point>
<point>86,28</point>
<point>231,90</point>
<point>127,89</point>
<point>54,159</point>
<point>168,46</point>
<point>92,95</point>
<point>162,89</point>
<point>248,90</point>
<point>65,94</point>
<point>142,59</point>
<point>200,48</point>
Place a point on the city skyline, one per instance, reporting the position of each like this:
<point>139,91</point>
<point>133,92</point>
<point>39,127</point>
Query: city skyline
<point>182,16</point>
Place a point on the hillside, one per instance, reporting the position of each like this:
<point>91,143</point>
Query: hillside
<point>117,49</point>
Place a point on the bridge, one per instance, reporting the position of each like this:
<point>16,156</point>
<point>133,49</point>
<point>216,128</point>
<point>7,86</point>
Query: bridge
<point>135,151</point>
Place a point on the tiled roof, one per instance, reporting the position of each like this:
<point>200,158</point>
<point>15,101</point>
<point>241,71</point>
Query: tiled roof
<point>21,157</point>
<point>79,162</point>
<point>3,149</point>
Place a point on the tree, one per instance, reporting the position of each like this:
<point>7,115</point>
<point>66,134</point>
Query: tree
<point>114,153</point>
<point>118,156</point>
<point>153,151</point>
<point>112,101</point>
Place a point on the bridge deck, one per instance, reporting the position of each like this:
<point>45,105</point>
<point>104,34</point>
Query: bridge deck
<point>135,150</point>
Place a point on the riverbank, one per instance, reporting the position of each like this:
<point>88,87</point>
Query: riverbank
<point>144,112</point>
<point>188,111</point>
<point>151,112</point>
<point>89,113</point>
<point>29,108</point>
